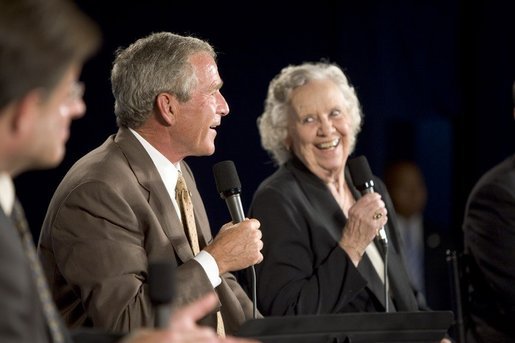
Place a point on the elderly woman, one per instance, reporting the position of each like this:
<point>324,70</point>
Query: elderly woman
<point>320,254</point>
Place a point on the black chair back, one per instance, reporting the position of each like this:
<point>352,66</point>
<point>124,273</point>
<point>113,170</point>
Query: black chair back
<point>458,276</point>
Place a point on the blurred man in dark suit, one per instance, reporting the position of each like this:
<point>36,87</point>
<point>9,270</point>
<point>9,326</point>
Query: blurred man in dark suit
<point>489,238</point>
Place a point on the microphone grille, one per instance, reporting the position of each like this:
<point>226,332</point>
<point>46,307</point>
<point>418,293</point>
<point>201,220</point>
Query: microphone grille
<point>360,171</point>
<point>226,177</point>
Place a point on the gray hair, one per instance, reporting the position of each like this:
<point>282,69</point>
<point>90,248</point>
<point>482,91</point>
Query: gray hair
<point>272,124</point>
<point>154,64</point>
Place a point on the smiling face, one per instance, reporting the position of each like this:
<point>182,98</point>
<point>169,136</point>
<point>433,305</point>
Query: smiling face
<point>197,118</point>
<point>319,128</point>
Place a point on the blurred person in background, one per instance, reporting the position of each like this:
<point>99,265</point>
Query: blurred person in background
<point>424,243</point>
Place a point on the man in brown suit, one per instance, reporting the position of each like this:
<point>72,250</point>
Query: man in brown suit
<point>43,46</point>
<point>115,211</point>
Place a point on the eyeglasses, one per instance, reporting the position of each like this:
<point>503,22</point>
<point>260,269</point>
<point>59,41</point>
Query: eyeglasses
<point>73,102</point>
<point>76,91</point>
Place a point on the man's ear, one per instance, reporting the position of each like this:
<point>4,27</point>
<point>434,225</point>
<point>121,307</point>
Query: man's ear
<point>166,105</point>
<point>25,111</point>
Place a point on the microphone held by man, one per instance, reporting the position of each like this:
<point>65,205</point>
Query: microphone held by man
<point>229,186</point>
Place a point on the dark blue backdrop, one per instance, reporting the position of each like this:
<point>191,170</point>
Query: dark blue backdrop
<point>434,79</point>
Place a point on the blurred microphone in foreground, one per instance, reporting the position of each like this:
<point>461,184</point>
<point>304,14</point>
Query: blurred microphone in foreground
<point>161,285</point>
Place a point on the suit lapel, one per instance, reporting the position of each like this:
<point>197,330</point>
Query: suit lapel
<point>374,283</point>
<point>400,286</point>
<point>320,199</point>
<point>148,177</point>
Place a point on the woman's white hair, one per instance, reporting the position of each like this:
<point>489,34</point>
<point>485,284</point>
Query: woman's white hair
<point>273,122</point>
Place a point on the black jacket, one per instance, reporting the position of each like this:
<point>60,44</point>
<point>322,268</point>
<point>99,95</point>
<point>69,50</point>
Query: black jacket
<point>304,270</point>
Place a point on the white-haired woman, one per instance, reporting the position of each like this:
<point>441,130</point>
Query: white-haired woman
<point>320,254</point>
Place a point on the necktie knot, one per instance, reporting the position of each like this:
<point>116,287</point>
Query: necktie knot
<point>181,184</point>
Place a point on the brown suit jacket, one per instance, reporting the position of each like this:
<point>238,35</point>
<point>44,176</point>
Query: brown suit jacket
<point>110,216</point>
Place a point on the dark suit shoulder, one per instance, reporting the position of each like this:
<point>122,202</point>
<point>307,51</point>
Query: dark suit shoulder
<point>21,315</point>
<point>279,178</point>
<point>502,175</point>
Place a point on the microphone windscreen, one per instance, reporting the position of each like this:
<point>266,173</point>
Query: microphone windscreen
<point>360,171</point>
<point>161,282</point>
<point>226,178</point>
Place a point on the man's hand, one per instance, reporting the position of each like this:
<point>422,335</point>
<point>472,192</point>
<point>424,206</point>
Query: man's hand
<point>183,327</point>
<point>237,246</point>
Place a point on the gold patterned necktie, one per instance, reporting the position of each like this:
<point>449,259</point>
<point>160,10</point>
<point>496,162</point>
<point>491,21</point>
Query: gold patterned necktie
<point>182,195</point>
<point>49,309</point>
<point>183,198</point>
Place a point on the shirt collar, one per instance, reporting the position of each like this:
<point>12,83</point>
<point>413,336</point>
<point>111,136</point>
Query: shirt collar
<point>167,170</point>
<point>6,193</point>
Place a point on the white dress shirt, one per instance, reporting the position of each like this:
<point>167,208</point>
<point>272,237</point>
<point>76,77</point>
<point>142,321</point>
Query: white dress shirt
<point>6,193</point>
<point>169,173</point>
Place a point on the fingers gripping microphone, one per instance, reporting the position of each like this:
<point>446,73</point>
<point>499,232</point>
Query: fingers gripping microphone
<point>362,178</point>
<point>161,285</point>
<point>229,186</point>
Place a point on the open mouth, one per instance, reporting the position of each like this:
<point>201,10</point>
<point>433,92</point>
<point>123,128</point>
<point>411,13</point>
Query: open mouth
<point>328,145</point>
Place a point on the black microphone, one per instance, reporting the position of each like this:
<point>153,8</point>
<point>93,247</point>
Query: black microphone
<point>229,187</point>
<point>161,284</point>
<point>362,177</point>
